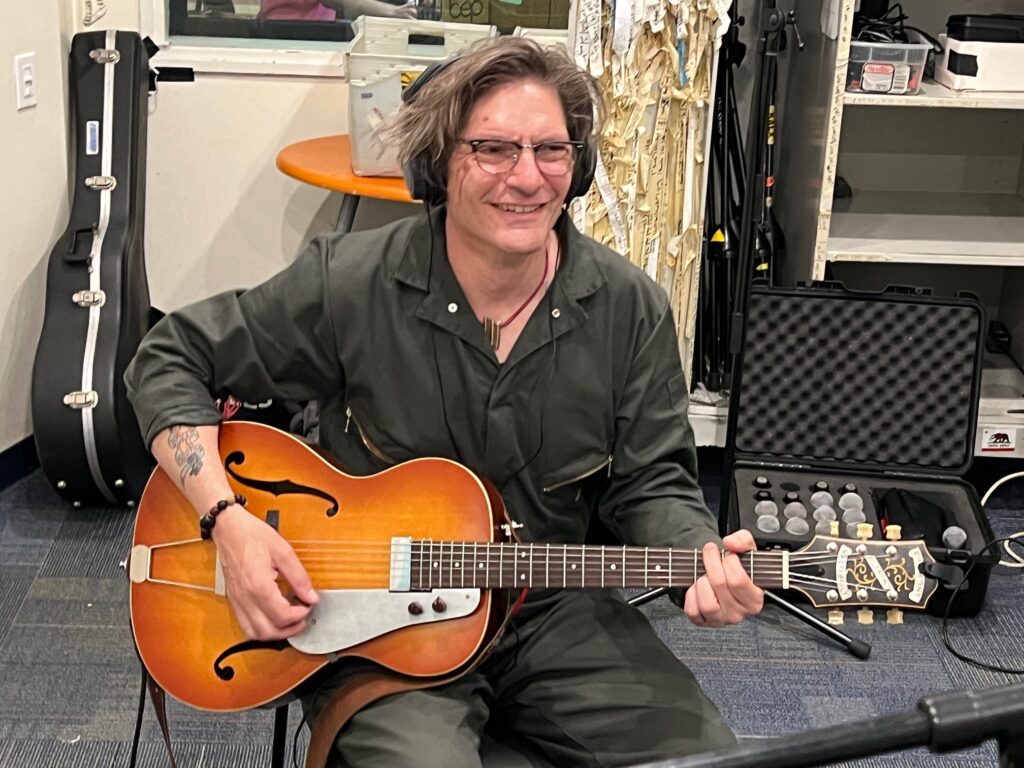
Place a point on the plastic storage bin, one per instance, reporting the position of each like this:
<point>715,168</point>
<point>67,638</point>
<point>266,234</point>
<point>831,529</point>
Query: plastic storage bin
<point>894,68</point>
<point>380,67</point>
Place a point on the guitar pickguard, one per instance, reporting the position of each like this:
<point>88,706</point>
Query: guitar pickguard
<point>346,617</point>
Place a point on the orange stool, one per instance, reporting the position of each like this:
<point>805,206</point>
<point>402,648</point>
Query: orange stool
<point>327,162</point>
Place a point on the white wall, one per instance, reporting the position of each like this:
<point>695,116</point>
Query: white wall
<point>33,197</point>
<point>219,214</point>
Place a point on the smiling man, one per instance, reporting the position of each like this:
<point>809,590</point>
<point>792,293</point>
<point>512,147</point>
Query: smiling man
<point>488,330</point>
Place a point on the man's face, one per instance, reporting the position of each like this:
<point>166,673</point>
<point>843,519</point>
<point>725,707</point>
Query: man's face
<point>508,213</point>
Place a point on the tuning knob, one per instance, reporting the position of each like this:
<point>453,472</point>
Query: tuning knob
<point>893,532</point>
<point>865,616</point>
<point>894,616</point>
<point>835,617</point>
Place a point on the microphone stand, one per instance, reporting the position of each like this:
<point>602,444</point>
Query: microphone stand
<point>771,28</point>
<point>946,722</point>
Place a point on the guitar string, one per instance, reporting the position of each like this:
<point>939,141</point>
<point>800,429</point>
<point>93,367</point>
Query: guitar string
<point>799,581</point>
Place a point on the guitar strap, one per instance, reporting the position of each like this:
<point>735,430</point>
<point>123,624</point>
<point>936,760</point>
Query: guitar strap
<point>159,698</point>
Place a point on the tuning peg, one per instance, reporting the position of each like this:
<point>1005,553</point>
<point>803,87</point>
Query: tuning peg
<point>834,529</point>
<point>894,616</point>
<point>864,531</point>
<point>893,532</point>
<point>835,617</point>
<point>865,616</point>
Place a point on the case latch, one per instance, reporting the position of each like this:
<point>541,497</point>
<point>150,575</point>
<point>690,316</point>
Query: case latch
<point>89,298</point>
<point>105,55</point>
<point>101,182</point>
<point>82,399</point>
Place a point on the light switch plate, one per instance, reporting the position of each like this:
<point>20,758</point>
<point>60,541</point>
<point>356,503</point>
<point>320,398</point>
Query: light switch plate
<point>25,79</point>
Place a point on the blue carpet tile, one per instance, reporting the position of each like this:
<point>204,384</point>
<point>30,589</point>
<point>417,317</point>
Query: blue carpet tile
<point>69,676</point>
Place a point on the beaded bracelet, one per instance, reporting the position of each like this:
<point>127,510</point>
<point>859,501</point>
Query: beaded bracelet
<point>207,521</point>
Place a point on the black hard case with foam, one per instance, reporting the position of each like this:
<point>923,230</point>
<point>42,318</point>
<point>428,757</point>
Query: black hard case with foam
<point>97,296</point>
<point>878,390</point>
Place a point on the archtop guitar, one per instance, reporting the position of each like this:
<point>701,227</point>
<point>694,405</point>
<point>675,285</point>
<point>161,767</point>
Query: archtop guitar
<point>414,567</point>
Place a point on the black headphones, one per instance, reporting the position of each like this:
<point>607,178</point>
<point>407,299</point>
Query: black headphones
<point>426,183</point>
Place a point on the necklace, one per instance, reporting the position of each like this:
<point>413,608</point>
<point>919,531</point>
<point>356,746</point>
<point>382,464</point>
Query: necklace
<point>492,328</point>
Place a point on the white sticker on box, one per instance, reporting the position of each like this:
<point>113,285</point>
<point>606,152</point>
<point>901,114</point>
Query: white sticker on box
<point>998,440</point>
<point>92,137</point>
<point>877,77</point>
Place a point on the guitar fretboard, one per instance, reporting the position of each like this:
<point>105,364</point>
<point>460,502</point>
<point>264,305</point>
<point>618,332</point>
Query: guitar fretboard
<point>456,564</point>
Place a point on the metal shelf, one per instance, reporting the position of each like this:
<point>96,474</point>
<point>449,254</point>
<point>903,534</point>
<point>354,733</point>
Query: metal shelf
<point>929,228</point>
<point>936,95</point>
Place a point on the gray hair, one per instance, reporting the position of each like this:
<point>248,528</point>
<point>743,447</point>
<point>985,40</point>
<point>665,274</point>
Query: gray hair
<point>432,121</point>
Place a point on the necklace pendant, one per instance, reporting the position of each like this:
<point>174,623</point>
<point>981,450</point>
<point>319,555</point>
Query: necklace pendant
<point>492,330</point>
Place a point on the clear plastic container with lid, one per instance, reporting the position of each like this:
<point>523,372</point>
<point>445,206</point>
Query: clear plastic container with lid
<point>886,68</point>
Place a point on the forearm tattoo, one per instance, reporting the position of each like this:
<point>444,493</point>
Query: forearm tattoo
<point>187,451</point>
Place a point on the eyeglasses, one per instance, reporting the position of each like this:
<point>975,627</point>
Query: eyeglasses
<point>499,156</point>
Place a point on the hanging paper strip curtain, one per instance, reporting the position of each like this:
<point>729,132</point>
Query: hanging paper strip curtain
<point>656,61</point>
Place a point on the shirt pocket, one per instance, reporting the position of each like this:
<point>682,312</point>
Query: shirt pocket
<point>573,474</point>
<point>371,444</point>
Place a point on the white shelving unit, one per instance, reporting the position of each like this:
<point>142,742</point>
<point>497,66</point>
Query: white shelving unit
<point>937,183</point>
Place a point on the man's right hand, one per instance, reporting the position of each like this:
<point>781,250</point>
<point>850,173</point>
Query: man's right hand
<point>253,557</point>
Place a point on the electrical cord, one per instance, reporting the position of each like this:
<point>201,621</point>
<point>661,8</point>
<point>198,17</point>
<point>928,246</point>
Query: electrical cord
<point>1018,562</point>
<point>1012,538</point>
<point>890,27</point>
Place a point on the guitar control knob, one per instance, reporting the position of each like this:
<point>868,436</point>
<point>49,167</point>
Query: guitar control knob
<point>415,609</point>
<point>439,605</point>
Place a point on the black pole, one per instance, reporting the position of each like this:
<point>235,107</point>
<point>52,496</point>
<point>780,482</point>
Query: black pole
<point>946,722</point>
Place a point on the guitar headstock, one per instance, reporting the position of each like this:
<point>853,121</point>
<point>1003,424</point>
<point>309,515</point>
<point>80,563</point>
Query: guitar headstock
<point>835,572</point>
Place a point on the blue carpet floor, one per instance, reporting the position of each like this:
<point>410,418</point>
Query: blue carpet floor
<point>69,676</point>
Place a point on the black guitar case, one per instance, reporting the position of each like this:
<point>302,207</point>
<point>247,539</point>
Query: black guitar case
<point>97,296</point>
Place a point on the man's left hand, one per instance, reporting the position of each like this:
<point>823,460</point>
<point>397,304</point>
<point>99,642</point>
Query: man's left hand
<point>724,594</point>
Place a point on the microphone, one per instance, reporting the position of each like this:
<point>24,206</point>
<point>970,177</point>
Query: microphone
<point>954,537</point>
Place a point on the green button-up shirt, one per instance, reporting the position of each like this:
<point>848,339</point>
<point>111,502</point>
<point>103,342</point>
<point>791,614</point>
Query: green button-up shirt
<point>587,414</point>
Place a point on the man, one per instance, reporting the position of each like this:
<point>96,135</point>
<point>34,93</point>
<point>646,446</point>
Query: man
<point>490,331</point>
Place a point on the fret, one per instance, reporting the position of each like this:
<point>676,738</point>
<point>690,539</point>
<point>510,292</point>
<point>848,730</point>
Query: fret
<point>531,565</point>
<point>565,560</point>
<point>451,563</point>
<point>694,568</point>
<point>462,567</point>
<point>750,566</point>
<point>547,566</point>
<point>488,548</point>
<point>602,567</point>
<point>501,564</point>
<point>433,565</point>
<point>670,582</point>
<point>647,573</point>
<point>579,566</point>
<point>623,565</point>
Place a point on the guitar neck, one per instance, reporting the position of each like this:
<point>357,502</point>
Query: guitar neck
<point>455,564</point>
